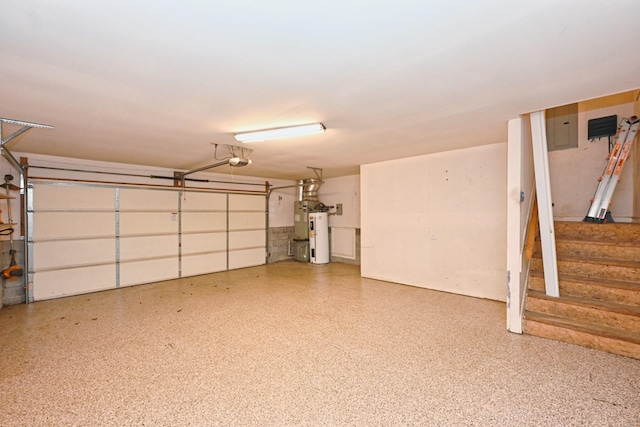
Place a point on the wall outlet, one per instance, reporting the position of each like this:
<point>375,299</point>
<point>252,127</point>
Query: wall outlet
<point>339,209</point>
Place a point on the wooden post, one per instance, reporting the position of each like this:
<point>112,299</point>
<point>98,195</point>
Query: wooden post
<point>545,206</point>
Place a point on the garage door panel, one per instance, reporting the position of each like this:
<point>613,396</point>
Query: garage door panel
<point>73,225</point>
<point>193,265</point>
<point>204,201</point>
<point>133,223</point>
<point>73,281</point>
<point>66,253</point>
<point>246,258</point>
<point>148,247</point>
<point>243,202</point>
<point>61,197</point>
<point>139,199</point>
<point>88,237</point>
<point>246,220</point>
<point>246,239</point>
<point>136,273</point>
<point>206,242</point>
<point>203,221</point>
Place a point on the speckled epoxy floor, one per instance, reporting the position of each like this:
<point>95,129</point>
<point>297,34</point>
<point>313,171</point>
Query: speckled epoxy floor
<point>296,344</point>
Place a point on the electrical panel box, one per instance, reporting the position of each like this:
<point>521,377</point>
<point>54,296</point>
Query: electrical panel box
<point>562,127</point>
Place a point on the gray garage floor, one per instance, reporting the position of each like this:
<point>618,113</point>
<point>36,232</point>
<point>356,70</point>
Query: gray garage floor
<point>296,344</point>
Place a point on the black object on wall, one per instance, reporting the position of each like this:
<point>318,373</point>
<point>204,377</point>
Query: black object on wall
<point>603,127</point>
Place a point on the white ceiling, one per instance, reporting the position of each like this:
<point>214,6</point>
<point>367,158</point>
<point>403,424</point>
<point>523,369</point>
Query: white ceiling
<point>157,82</point>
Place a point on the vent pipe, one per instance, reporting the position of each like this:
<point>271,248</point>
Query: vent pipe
<point>308,189</point>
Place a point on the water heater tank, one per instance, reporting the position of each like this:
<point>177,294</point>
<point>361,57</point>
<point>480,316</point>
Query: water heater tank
<point>318,237</point>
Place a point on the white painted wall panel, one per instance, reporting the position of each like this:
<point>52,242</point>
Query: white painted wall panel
<point>344,190</point>
<point>65,253</point>
<point>193,265</point>
<point>205,242</point>
<point>59,283</point>
<point>72,225</point>
<point>148,247</point>
<point>135,273</point>
<point>343,242</point>
<point>246,258</point>
<point>438,221</point>
<point>246,239</point>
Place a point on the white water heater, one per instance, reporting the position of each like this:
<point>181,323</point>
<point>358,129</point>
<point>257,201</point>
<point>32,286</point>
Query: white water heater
<point>318,237</point>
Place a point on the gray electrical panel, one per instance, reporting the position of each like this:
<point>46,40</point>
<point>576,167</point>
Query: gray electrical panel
<point>562,127</point>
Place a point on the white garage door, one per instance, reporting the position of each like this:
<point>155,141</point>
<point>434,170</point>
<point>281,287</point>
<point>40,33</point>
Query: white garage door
<point>85,238</point>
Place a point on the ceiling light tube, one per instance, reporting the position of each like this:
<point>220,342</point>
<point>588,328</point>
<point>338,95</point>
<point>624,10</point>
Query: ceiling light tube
<point>285,132</point>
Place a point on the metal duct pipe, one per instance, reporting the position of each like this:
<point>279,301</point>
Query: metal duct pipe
<point>308,189</point>
<point>300,190</point>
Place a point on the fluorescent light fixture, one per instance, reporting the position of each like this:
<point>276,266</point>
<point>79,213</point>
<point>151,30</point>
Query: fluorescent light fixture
<point>286,132</point>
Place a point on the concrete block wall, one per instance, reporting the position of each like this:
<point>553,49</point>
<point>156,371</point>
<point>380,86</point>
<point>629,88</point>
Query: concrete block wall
<point>279,240</point>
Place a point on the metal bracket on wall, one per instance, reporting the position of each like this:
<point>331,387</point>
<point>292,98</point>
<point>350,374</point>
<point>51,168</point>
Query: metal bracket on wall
<point>317,171</point>
<point>25,127</point>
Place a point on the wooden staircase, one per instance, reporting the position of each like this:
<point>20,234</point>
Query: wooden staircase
<point>599,278</point>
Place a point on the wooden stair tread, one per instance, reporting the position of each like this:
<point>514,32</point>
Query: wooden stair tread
<point>610,283</point>
<point>597,226</point>
<point>598,330</point>
<point>599,278</point>
<point>588,302</point>
<point>595,242</point>
<point>592,260</point>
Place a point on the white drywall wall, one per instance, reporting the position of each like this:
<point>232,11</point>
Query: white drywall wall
<point>438,221</point>
<point>575,171</point>
<point>281,205</point>
<point>345,190</point>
